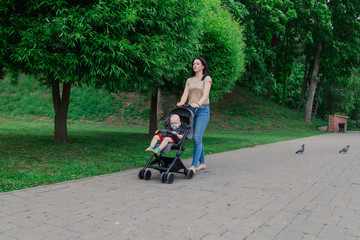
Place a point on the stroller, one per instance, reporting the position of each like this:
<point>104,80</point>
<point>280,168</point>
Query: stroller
<point>168,165</point>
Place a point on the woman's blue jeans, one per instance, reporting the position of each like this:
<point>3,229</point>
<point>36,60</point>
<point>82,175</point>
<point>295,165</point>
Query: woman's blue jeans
<point>200,122</point>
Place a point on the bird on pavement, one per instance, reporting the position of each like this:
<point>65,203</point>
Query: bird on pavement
<point>301,150</point>
<point>345,149</point>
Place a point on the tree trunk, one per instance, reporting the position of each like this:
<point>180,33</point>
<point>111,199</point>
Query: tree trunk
<point>304,87</point>
<point>153,121</point>
<point>313,82</point>
<point>284,84</point>
<point>160,109</point>
<point>61,106</point>
<point>284,73</point>
<point>269,91</point>
<point>268,95</point>
<point>317,98</point>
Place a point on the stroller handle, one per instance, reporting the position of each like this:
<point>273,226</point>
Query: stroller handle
<point>186,105</point>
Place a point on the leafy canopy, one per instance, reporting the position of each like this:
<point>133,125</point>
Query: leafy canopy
<point>123,45</point>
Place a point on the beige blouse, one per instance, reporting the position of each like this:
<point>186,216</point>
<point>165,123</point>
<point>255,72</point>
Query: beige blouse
<point>196,90</point>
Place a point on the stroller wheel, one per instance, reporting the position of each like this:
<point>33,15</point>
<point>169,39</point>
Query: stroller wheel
<point>163,177</point>
<point>141,174</point>
<point>147,175</point>
<point>189,174</point>
<point>170,178</point>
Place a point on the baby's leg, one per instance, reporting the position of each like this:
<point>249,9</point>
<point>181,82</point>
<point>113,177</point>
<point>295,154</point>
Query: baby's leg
<point>155,139</point>
<point>165,142</point>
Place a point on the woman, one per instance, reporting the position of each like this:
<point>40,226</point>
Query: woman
<point>196,93</point>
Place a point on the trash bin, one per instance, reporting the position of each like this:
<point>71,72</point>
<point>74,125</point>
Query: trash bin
<point>342,127</point>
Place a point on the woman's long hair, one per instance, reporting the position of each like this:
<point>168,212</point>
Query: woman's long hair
<point>205,70</point>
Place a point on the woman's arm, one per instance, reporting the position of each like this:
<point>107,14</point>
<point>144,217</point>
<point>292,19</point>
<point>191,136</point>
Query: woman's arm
<point>184,96</point>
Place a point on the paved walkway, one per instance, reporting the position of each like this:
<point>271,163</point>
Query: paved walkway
<point>261,193</point>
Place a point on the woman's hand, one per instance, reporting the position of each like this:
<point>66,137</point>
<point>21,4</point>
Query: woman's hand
<point>194,105</point>
<point>179,104</point>
<point>157,131</point>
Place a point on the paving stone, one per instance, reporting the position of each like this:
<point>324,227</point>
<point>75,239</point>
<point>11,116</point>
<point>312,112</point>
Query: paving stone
<point>290,234</point>
<point>23,234</point>
<point>308,237</point>
<point>305,226</point>
<point>332,232</point>
<point>6,227</point>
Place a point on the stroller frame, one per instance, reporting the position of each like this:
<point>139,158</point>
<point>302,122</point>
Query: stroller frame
<point>169,165</point>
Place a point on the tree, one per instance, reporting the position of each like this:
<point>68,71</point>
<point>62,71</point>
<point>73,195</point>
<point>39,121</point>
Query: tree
<point>267,51</point>
<point>222,45</point>
<point>313,81</point>
<point>123,45</point>
<point>3,38</point>
<point>342,96</point>
<point>340,45</point>
<point>163,28</point>
<point>284,36</point>
<point>341,59</point>
<point>315,23</point>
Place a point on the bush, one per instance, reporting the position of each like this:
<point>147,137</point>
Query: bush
<point>223,48</point>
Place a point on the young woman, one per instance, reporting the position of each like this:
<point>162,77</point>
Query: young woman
<point>196,94</point>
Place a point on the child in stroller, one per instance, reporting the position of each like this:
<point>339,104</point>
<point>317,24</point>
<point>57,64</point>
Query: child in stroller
<point>165,137</point>
<point>180,121</point>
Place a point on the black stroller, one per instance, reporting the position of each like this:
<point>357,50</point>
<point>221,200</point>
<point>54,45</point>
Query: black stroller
<point>167,165</point>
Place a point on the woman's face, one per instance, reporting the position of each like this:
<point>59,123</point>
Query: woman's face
<point>197,66</point>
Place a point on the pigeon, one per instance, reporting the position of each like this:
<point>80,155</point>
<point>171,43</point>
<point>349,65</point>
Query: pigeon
<point>345,149</point>
<point>301,150</point>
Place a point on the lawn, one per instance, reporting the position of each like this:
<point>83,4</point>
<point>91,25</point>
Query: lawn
<point>29,158</point>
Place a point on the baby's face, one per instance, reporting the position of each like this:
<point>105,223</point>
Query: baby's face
<point>175,124</point>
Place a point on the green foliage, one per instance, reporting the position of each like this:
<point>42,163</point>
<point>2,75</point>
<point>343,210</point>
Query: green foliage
<point>128,45</point>
<point>343,96</point>
<point>152,46</point>
<point>223,48</point>
<point>265,27</point>
<point>140,45</point>
<point>131,45</point>
<point>281,34</point>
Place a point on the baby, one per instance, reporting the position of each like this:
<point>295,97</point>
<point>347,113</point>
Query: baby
<point>174,136</point>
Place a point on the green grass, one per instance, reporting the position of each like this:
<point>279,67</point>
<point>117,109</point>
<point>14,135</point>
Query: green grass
<point>29,158</point>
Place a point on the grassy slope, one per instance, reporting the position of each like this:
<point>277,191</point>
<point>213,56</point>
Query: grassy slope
<point>29,158</point>
<point>242,110</point>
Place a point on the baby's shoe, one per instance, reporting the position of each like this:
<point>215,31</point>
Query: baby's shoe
<point>150,149</point>
<point>157,150</point>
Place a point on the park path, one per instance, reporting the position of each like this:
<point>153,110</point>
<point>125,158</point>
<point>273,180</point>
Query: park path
<point>261,193</point>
